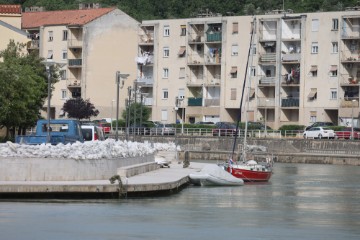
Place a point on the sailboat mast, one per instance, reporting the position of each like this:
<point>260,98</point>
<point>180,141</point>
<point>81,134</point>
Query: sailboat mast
<point>247,76</point>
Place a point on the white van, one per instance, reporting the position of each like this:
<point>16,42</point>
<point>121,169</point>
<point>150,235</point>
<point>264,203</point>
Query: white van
<point>92,133</point>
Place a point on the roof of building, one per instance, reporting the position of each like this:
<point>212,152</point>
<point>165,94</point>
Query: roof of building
<point>65,17</point>
<point>10,9</point>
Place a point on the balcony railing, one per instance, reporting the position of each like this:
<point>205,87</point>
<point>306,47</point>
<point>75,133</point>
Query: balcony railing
<point>33,44</point>
<point>146,38</point>
<point>75,62</point>
<point>348,80</point>
<point>267,80</point>
<point>146,80</point>
<point>195,101</point>
<point>75,42</point>
<point>214,37</point>
<point>290,102</point>
<point>211,102</point>
<point>73,83</point>
<point>349,103</point>
<point>195,59</point>
<point>291,57</point>
<point>266,102</point>
<point>268,57</point>
<point>148,101</point>
<point>350,56</point>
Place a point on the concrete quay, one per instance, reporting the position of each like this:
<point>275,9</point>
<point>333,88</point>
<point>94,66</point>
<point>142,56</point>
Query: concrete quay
<point>160,181</point>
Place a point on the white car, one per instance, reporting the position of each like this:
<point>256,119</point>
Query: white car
<point>319,132</point>
<point>92,133</point>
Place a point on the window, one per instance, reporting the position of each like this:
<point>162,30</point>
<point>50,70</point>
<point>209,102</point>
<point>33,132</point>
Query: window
<point>181,94</point>
<point>313,71</point>
<point>234,50</point>
<point>64,54</point>
<point>233,94</point>
<point>253,49</point>
<point>335,24</point>
<point>166,31</point>
<point>333,71</point>
<point>182,51</point>
<point>166,52</point>
<point>164,115</point>
<point>235,29</point>
<point>165,93</point>
<point>335,47</point>
<point>183,30</point>
<point>63,94</point>
<point>51,36</point>
<point>165,73</point>
<point>62,74</point>
<point>314,47</point>
<point>333,94</point>
<point>50,54</point>
<point>253,71</point>
<point>65,35</point>
<point>313,116</point>
<point>315,25</point>
<point>182,73</point>
<point>313,94</point>
<point>233,72</point>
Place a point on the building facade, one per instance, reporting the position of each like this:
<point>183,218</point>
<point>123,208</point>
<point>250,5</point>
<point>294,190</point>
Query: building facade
<point>89,46</point>
<point>298,68</point>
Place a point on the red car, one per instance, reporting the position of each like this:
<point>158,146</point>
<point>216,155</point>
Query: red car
<point>346,133</point>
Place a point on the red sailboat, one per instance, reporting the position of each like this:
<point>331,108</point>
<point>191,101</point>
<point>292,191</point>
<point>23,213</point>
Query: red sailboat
<point>248,170</point>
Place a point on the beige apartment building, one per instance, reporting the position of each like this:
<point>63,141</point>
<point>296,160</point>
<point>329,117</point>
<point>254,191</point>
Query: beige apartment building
<point>89,46</point>
<point>302,68</point>
<point>10,25</point>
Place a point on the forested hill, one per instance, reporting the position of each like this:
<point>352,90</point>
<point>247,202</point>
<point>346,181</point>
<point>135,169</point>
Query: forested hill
<point>165,9</point>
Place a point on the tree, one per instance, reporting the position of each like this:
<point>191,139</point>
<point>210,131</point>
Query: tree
<point>141,113</point>
<point>79,108</point>
<point>23,88</point>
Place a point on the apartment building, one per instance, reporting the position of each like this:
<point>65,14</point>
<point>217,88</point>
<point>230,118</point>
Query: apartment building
<point>89,46</point>
<point>10,25</point>
<point>302,68</point>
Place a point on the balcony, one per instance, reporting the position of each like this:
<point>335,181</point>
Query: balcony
<point>267,80</point>
<point>194,102</point>
<point>350,27</point>
<point>290,58</point>
<point>145,59</point>
<point>195,38</point>
<point>33,44</point>
<point>266,102</point>
<point>75,43</point>
<point>213,81</point>
<point>75,63</point>
<point>212,102</point>
<point>267,58</point>
<point>148,101</point>
<point>145,81</point>
<point>290,102</point>
<point>347,80</point>
<point>146,38</point>
<point>195,59</point>
<point>349,103</point>
<point>350,57</point>
<point>73,83</point>
<point>214,37</point>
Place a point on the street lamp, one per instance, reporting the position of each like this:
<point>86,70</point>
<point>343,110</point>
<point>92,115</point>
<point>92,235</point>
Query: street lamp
<point>49,64</point>
<point>182,115</point>
<point>120,78</point>
<point>266,106</point>
<point>352,118</point>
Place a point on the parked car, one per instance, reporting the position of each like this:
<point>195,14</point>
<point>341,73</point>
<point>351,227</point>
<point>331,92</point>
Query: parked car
<point>205,123</point>
<point>224,129</point>
<point>346,133</point>
<point>257,126</point>
<point>163,129</point>
<point>319,132</point>
<point>92,133</point>
<point>320,124</point>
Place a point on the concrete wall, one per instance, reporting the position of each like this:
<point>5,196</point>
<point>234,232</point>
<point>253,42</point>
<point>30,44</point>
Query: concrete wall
<point>48,169</point>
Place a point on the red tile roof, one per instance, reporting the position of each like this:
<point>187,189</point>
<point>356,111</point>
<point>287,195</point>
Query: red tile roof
<point>10,9</point>
<point>66,17</point>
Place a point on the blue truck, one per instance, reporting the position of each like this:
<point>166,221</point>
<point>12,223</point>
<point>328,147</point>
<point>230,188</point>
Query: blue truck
<point>60,131</point>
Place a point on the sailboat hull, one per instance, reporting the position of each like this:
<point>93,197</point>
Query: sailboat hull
<point>249,175</point>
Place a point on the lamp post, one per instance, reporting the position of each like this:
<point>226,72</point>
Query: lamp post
<point>48,64</point>
<point>119,84</point>
<point>128,113</point>
<point>182,115</point>
<point>267,101</point>
<point>352,118</point>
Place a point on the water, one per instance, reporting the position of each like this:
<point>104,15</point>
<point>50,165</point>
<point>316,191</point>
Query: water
<point>301,202</point>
